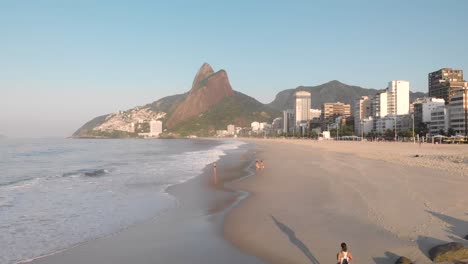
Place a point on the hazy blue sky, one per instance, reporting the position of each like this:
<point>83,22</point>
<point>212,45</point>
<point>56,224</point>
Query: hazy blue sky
<point>65,62</point>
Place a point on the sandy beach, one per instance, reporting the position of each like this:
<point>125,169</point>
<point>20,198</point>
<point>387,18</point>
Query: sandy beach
<point>378,197</point>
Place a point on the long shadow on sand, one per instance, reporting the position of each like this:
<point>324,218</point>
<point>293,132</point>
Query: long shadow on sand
<point>425,243</point>
<point>457,228</point>
<point>389,258</point>
<point>293,239</point>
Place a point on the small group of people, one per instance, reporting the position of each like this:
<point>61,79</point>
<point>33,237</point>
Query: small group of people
<point>259,165</point>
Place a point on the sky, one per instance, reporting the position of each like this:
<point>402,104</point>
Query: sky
<point>65,62</point>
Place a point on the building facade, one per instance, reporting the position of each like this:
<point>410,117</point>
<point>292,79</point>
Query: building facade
<point>398,97</point>
<point>385,123</point>
<point>362,110</point>
<point>445,83</point>
<point>439,121</point>
<point>155,128</point>
<point>255,127</point>
<point>231,130</point>
<point>336,109</point>
<point>289,121</point>
<point>423,107</point>
<point>277,125</point>
<point>315,113</point>
<point>331,111</point>
<point>458,112</point>
<point>379,105</point>
<point>303,106</point>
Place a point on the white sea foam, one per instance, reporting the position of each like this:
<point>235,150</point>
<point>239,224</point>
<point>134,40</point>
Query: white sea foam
<point>89,188</point>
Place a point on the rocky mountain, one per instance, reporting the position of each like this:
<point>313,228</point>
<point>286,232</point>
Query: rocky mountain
<point>208,89</point>
<point>332,91</point>
<point>239,109</point>
<point>210,105</point>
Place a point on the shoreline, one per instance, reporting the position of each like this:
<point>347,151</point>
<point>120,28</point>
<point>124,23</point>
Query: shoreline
<point>299,211</point>
<point>200,213</point>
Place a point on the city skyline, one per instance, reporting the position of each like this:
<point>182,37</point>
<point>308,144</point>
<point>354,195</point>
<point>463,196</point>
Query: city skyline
<point>65,63</point>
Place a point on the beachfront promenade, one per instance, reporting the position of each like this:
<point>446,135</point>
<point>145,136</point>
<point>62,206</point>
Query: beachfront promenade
<point>377,196</point>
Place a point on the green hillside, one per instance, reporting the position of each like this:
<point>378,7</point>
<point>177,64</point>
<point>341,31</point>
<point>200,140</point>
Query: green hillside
<point>239,110</point>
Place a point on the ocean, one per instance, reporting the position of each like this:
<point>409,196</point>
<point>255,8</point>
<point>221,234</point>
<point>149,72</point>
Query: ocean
<point>56,193</point>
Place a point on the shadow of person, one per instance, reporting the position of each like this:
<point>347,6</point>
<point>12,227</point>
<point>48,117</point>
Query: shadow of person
<point>457,228</point>
<point>426,243</point>
<point>293,239</point>
<point>389,258</point>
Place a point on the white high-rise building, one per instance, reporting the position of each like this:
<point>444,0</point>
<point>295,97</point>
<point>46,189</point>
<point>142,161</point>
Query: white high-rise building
<point>398,97</point>
<point>362,110</point>
<point>155,128</point>
<point>231,129</point>
<point>303,105</point>
<point>379,105</point>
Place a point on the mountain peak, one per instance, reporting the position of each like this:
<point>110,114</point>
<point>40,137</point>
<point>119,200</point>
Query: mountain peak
<point>204,72</point>
<point>208,89</point>
<point>335,82</point>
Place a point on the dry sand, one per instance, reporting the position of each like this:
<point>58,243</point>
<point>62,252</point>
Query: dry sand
<point>378,197</point>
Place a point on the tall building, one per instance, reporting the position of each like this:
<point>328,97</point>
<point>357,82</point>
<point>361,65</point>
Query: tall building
<point>439,121</point>
<point>398,97</point>
<point>303,106</point>
<point>289,121</point>
<point>458,112</point>
<point>231,129</point>
<point>155,128</point>
<point>379,105</point>
<point>277,125</point>
<point>362,110</point>
<point>445,83</point>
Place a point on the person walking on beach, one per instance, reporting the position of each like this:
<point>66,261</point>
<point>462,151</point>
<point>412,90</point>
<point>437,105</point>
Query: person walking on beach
<point>262,165</point>
<point>257,165</point>
<point>344,256</point>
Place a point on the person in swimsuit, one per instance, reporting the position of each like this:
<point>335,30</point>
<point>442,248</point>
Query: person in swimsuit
<point>344,256</point>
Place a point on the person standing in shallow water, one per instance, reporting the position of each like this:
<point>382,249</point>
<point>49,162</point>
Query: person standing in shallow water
<point>262,165</point>
<point>344,256</point>
<point>215,176</point>
<point>257,165</point>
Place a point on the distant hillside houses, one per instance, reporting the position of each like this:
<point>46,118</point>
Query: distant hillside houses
<point>151,128</point>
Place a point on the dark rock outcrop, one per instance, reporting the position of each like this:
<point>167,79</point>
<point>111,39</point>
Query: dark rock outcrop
<point>448,252</point>
<point>403,260</point>
<point>208,89</point>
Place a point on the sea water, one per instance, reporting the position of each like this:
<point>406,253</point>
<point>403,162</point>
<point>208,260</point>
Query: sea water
<point>56,193</point>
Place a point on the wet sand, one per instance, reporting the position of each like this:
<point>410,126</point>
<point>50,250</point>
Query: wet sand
<point>190,233</point>
<point>377,197</point>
